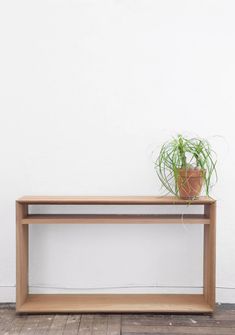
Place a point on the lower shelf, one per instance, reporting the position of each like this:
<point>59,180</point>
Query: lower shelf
<point>77,303</point>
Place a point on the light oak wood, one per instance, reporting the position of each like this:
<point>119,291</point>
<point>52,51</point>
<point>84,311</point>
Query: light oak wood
<point>45,303</point>
<point>21,255</point>
<point>112,200</point>
<point>210,255</point>
<point>36,303</point>
<point>115,218</point>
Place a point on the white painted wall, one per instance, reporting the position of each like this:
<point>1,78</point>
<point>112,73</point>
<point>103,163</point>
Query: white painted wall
<point>87,90</point>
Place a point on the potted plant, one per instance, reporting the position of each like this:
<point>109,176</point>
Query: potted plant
<point>184,165</point>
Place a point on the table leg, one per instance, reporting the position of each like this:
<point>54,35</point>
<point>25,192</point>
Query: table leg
<point>209,255</point>
<point>21,255</point>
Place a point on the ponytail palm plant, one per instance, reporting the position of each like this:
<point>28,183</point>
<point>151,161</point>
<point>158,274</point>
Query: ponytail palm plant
<point>185,164</point>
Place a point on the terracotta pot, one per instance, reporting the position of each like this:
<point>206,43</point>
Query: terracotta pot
<point>190,183</point>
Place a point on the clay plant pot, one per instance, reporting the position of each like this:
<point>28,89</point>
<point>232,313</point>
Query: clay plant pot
<point>190,183</point>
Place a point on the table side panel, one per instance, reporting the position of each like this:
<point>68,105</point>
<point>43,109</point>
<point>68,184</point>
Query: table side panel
<point>22,236</point>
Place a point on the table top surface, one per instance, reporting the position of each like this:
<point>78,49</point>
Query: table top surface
<point>113,200</point>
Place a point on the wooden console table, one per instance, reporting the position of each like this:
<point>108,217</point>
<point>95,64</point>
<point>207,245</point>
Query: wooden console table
<point>44,303</point>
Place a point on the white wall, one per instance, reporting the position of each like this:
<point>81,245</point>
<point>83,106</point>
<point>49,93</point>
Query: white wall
<point>87,90</point>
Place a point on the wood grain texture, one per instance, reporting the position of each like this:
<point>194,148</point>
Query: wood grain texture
<point>7,318</point>
<point>44,324</point>
<point>30,325</point>
<point>100,323</point>
<point>114,324</point>
<point>180,330</point>
<point>16,326</point>
<point>210,255</point>
<point>21,255</point>
<point>72,325</point>
<point>221,322</point>
<point>152,320</point>
<point>115,218</point>
<point>44,303</point>
<point>58,325</point>
<point>113,200</point>
<point>86,324</point>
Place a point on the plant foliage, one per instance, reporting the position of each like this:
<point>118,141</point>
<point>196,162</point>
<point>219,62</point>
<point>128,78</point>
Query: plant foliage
<point>185,153</point>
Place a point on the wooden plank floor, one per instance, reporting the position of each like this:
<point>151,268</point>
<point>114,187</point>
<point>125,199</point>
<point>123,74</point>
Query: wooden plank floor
<point>221,323</point>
